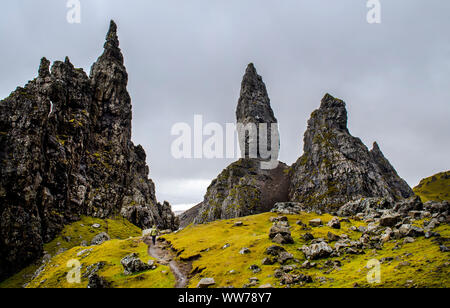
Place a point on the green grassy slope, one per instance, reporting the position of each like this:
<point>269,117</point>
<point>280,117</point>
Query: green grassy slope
<point>434,188</point>
<point>125,240</point>
<point>428,266</point>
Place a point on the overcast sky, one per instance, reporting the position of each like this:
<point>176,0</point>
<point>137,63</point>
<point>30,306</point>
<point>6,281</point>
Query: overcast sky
<point>188,57</point>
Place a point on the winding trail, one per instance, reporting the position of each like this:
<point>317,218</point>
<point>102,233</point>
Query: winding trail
<point>161,253</point>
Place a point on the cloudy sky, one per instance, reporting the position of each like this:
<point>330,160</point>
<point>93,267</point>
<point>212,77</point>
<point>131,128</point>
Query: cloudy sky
<point>187,57</point>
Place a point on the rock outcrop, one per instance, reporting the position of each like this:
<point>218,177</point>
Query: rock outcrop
<point>66,151</point>
<point>337,168</point>
<point>254,109</point>
<point>248,187</point>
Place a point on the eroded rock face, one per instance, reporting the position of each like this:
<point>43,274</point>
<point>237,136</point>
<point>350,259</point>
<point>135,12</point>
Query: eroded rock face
<point>66,151</point>
<point>247,187</point>
<point>244,189</point>
<point>337,168</point>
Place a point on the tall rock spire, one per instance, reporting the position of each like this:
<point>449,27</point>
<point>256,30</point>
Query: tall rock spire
<point>337,168</point>
<point>254,108</point>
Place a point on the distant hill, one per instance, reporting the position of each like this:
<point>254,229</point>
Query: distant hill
<point>434,188</point>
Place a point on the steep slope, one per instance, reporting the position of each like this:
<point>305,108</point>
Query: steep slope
<point>247,187</point>
<point>337,168</point>
<point>66,151</point>
<point>434,188</point>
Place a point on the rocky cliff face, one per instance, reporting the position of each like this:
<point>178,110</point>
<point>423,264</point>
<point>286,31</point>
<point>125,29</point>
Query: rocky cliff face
<point>66,151</point>
<point>337,168</point>
<point>246,187</point>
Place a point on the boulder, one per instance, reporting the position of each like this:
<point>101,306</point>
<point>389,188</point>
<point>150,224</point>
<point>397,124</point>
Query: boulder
<point>132,264</point>
<point>390,220</point>
<point>317,251</point>
<point>274,250</point>
<point>206,283</point>
<point>317,222</point>
<point>100,238</point>
<point>334,223</point>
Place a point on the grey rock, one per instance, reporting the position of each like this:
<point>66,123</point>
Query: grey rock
<point>132,264</point>
<point>334,223</point>
<point>317,251</point>
<point>206,283</point>
<point>337,168</point>
<point>245,251</point>
<point>100,238</point>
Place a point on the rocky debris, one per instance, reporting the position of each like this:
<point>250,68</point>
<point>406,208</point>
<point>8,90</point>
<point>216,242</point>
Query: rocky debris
<point>317,251</point>
<point>96,226</point>
<point>245,251</point>
<point>66,151</point>
<point>266,286</point>
<point>246,187</point>
<point>255,268</point>
<point>94,269</point>
<point>274,250</point>
<point>364,207</point>
<point>268,261</point>
<point>337,168</point>
<point>206,283</point>
<point>390,220</point>
<point>97,282</point>
<point>288,208</point>
<point>280,234</point>
<point>333,237</point>
<point>238,224</point>
<point>100,238</point>
<point>317,222</point>
<point>132,264</point>
<point>334,223</point>
<point>284,257</point>
<point>308,237</point>
<point>84,253</point>
<point>407,230</point>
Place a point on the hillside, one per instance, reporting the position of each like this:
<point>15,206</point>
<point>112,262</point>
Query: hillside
<point>72,244</point>
<point>434,188</point>
<point>419,264</point>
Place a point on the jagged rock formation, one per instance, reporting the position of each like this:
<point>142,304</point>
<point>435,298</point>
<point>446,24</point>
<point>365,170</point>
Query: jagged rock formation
<point>66,151</point>
<point>246,187</point>
<point>337,168</point>
<point>254,108</point>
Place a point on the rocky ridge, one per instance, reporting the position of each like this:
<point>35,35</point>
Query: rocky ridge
<point>66,151</point>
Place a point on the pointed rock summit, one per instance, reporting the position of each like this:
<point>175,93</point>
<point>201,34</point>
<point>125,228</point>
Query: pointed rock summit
<point>254,108</point>
<point>245,188</point>
<point>66,151</point>
<point>337,168</point>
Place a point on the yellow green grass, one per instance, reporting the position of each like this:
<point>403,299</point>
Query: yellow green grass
<point>429,267</point>
<point>434,188</point>
<point>125,240</point>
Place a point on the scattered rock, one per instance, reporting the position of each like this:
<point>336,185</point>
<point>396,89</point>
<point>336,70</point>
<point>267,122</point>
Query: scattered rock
<point>206,282</point>
<point>100,238</point>
<point>132,264</point>
<point>315,222</point>
<point>317,251</point>
<point>245,251</point>
<point>334,223</point>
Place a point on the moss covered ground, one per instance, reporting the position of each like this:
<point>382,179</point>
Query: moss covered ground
<point>417,264</point>
<point>67,247</point>
<point>426,265</point>
<point>434,188</point>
